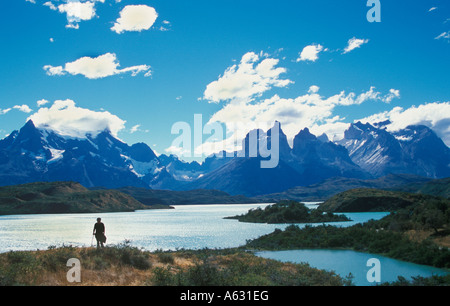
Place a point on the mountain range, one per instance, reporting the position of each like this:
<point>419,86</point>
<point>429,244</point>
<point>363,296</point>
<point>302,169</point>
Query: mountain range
<point>366,152</point>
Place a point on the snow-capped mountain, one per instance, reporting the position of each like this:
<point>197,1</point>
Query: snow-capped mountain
<point>101,160</point>
<point>311,160</point>
<point>33,154</point>
<point>414,150</point>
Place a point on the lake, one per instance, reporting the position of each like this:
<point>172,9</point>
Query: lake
<point>343,262</point>
<point>188,227</point>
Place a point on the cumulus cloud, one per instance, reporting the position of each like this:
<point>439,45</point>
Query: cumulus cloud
<point>22,108</point>
<point>95,68</point>
<point>434,115</point>
<point>42,102</point>
<point>310,53</point>
<point>253,76</point>
<point>135,18</point>
<point>354,43</point>
<point>393,94</point>
<point>67,119</point>
<point>371,94</point>
<point>75,10</point>
<point>310,110</point>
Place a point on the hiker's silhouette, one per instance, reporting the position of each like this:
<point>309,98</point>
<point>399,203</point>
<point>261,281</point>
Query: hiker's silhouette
<point>99,232</point>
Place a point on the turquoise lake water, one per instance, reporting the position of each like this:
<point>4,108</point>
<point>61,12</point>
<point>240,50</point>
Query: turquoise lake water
<point>343,262</point>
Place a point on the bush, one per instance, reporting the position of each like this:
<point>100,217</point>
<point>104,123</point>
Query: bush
<point>166,258</point>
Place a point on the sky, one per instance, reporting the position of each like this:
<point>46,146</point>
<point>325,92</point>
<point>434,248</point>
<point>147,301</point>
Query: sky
<point>138,68</point>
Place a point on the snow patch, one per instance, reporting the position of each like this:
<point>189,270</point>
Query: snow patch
<point>56,155</point>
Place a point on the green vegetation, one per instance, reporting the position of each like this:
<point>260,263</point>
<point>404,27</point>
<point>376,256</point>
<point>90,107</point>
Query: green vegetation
<point>288,212</point>
<point>439,187</point>
<point>427,213</point>
<point>434,280</point>
<point>363,238</point>
<point>390,236</point>
<point>124,265</point>
<point>366,200</point>
<point>63,197</point>
<point>238,268</point>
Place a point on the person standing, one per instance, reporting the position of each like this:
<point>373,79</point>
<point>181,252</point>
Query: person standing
<point>99,232</point>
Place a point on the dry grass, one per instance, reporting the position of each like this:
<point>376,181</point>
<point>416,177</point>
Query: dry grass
<point>421,235</point>
<point>127,266</point>
<point>98,268</point>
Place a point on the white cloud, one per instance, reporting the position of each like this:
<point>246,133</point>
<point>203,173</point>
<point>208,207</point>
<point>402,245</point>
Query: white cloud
<point>42,102</point>
<point>250,79</point>
<point>313,89</point>
<point>59,70</point>
<point>94,68</point>
<point>5,111</point>
<point>434,115</point>
<point>371,94</point>
<point>135,18</point>
<point>393,94</point>
<point>310,53</point>
<point>22,108</point>
<point>67,119</point>
<point>78,11</point>
<point>75,10</point>
<point>135,129</point>
<point>355,43</point>
<point>179,151</point>
<point>243,83</point>
<point>310,110</point>
<point>50,5</point>
<point>444,35</point>
<point>432,9</point>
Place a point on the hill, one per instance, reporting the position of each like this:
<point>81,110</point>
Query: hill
<point>328,188</point>
<point>198,196</point>
<point>63,197</point>
<point>364,200</point>
<point>438,187</point>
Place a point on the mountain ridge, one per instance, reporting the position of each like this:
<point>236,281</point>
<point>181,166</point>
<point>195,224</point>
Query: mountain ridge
<point>367,152</point>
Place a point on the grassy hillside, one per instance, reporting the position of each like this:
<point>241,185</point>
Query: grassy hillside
<point>63,197</point>
<point>124,265</point>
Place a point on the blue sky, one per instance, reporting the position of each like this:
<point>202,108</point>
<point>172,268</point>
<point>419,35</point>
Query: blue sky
<point>227,60</point>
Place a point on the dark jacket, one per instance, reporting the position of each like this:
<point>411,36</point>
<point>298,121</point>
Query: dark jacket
<point>99,230</point>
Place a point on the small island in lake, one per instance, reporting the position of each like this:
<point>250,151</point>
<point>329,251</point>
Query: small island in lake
<point>288,212</point>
